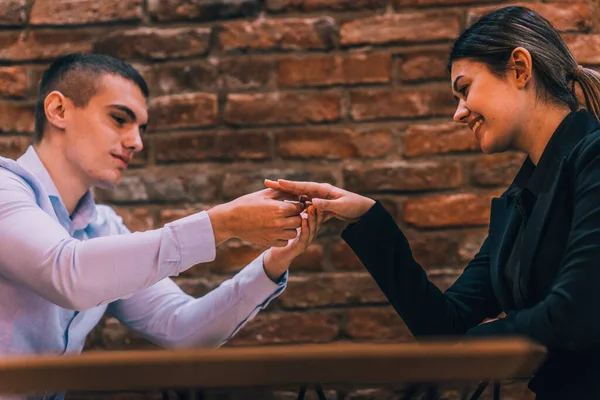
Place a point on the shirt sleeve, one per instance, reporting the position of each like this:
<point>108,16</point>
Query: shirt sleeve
<point>38,253</point>
<point>385,252</point>
<point>167,316</point>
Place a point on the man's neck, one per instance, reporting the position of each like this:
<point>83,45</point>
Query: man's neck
<point>66,178</point>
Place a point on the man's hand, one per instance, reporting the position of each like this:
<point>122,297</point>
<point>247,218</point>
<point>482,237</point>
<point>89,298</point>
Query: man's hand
<point>328,199</point>
<point>260,217</point>
<point>278,259</point>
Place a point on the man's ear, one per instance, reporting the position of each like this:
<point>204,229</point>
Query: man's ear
<point>55,105</point>
<point>520,61</point>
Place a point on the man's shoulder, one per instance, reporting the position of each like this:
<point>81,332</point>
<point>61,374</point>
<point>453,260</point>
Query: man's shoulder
<point>14,177</point>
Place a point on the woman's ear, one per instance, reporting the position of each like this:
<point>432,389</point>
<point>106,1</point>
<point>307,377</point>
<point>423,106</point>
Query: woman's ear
<point>54,106</point>
<point>521,64</point>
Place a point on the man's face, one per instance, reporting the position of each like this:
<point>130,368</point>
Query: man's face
<point>102,137</point>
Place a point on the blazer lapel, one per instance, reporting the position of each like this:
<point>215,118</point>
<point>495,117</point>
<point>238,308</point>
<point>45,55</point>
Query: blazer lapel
<point>532,235</point>
<point>503,217</point>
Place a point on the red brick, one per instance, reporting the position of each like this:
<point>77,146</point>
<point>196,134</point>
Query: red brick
<point>198,287</point>
<point>116,336</point>
<point>316,5</point>
<point>13,146</point>
<point>167,215</point>
<point>576,16</point>
<point>188,183</point>
<point>14,12</point>
<point>297,327</point>
<point>232,256</point>
<point>241,182</point>
<point>14,81</point>
<point>369,104</point>
<point>333,289</point>
<point>65,12</point>
<point>426,139</point>
<point>425,65</point>
<point>213,146</point>
<point>325,70</point>
<point>332,143</point>
<point>16,117</point>
<point>497,169</point>
<point>448,210</point>
<point>585,48</point>
<point>403,176</point>
<point>186,10</point>
<point>376,324</point>
<point>470,245</point>
<point>243,73</point>
<point>401,28</point>
<point>434,250</point>
<point>281,108</point>
<point>184,77</point>
<point>282,34</point>
<point>344,259</point>
<point>155,43</point>
<point>310,261</point>
<point>44,44</point>
<point>183,111</point>
<point>137,219</point>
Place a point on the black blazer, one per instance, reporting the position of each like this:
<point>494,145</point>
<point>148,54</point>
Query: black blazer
<point>556,297</point>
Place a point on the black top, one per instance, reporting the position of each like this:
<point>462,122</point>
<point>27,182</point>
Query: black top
<point>549,290</point>
<point>528,184</point>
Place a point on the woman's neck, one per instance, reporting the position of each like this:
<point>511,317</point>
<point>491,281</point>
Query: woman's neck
<point>539,128</point>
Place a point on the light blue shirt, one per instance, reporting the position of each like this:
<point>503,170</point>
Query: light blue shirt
<point>59,275</point>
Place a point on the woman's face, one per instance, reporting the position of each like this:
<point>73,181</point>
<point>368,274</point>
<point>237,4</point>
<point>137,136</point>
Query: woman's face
<point>495,109</point>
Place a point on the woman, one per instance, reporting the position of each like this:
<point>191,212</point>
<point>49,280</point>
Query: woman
<point>514,80</point>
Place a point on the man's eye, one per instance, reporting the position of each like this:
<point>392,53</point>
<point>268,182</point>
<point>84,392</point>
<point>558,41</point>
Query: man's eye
<point>119,120</point>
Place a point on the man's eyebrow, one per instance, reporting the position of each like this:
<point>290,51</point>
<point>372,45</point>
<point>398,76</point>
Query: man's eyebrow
<point>126,110</point>
<point>455,85</point>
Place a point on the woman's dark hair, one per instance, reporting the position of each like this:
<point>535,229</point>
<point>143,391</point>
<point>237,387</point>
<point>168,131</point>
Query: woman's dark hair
<point>493,38</point>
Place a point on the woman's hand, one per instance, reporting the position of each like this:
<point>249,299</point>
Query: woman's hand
<point>328,199</point>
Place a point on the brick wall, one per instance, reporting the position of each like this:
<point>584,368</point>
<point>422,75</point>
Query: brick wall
<point>352,92</point>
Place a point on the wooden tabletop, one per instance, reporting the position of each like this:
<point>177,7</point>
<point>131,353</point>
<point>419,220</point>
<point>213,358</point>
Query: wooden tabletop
<point>432,361</point>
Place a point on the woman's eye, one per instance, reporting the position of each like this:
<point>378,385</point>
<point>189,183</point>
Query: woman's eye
<point>464,89</point>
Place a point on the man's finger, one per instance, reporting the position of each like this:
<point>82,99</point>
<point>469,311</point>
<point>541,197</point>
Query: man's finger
<point>311,189</point>
<point>280,195</point>
<point>320,219</point>
<point>288,234</point>
<point>313,223</point>
<point>294,222</point>
<point>291,209</point>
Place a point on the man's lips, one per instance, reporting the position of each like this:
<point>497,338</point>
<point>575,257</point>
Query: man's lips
<point>123,158</point>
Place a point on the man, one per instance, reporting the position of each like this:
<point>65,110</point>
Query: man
<point>62,265</point>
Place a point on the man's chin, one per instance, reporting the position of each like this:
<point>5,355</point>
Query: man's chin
<point>107,184</point>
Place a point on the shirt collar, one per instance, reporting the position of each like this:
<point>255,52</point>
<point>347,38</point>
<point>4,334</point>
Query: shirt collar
<point>537,179</point>
<point>84,213</point>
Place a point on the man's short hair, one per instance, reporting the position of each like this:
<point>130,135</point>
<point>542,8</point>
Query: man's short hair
<point>76,76</point>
